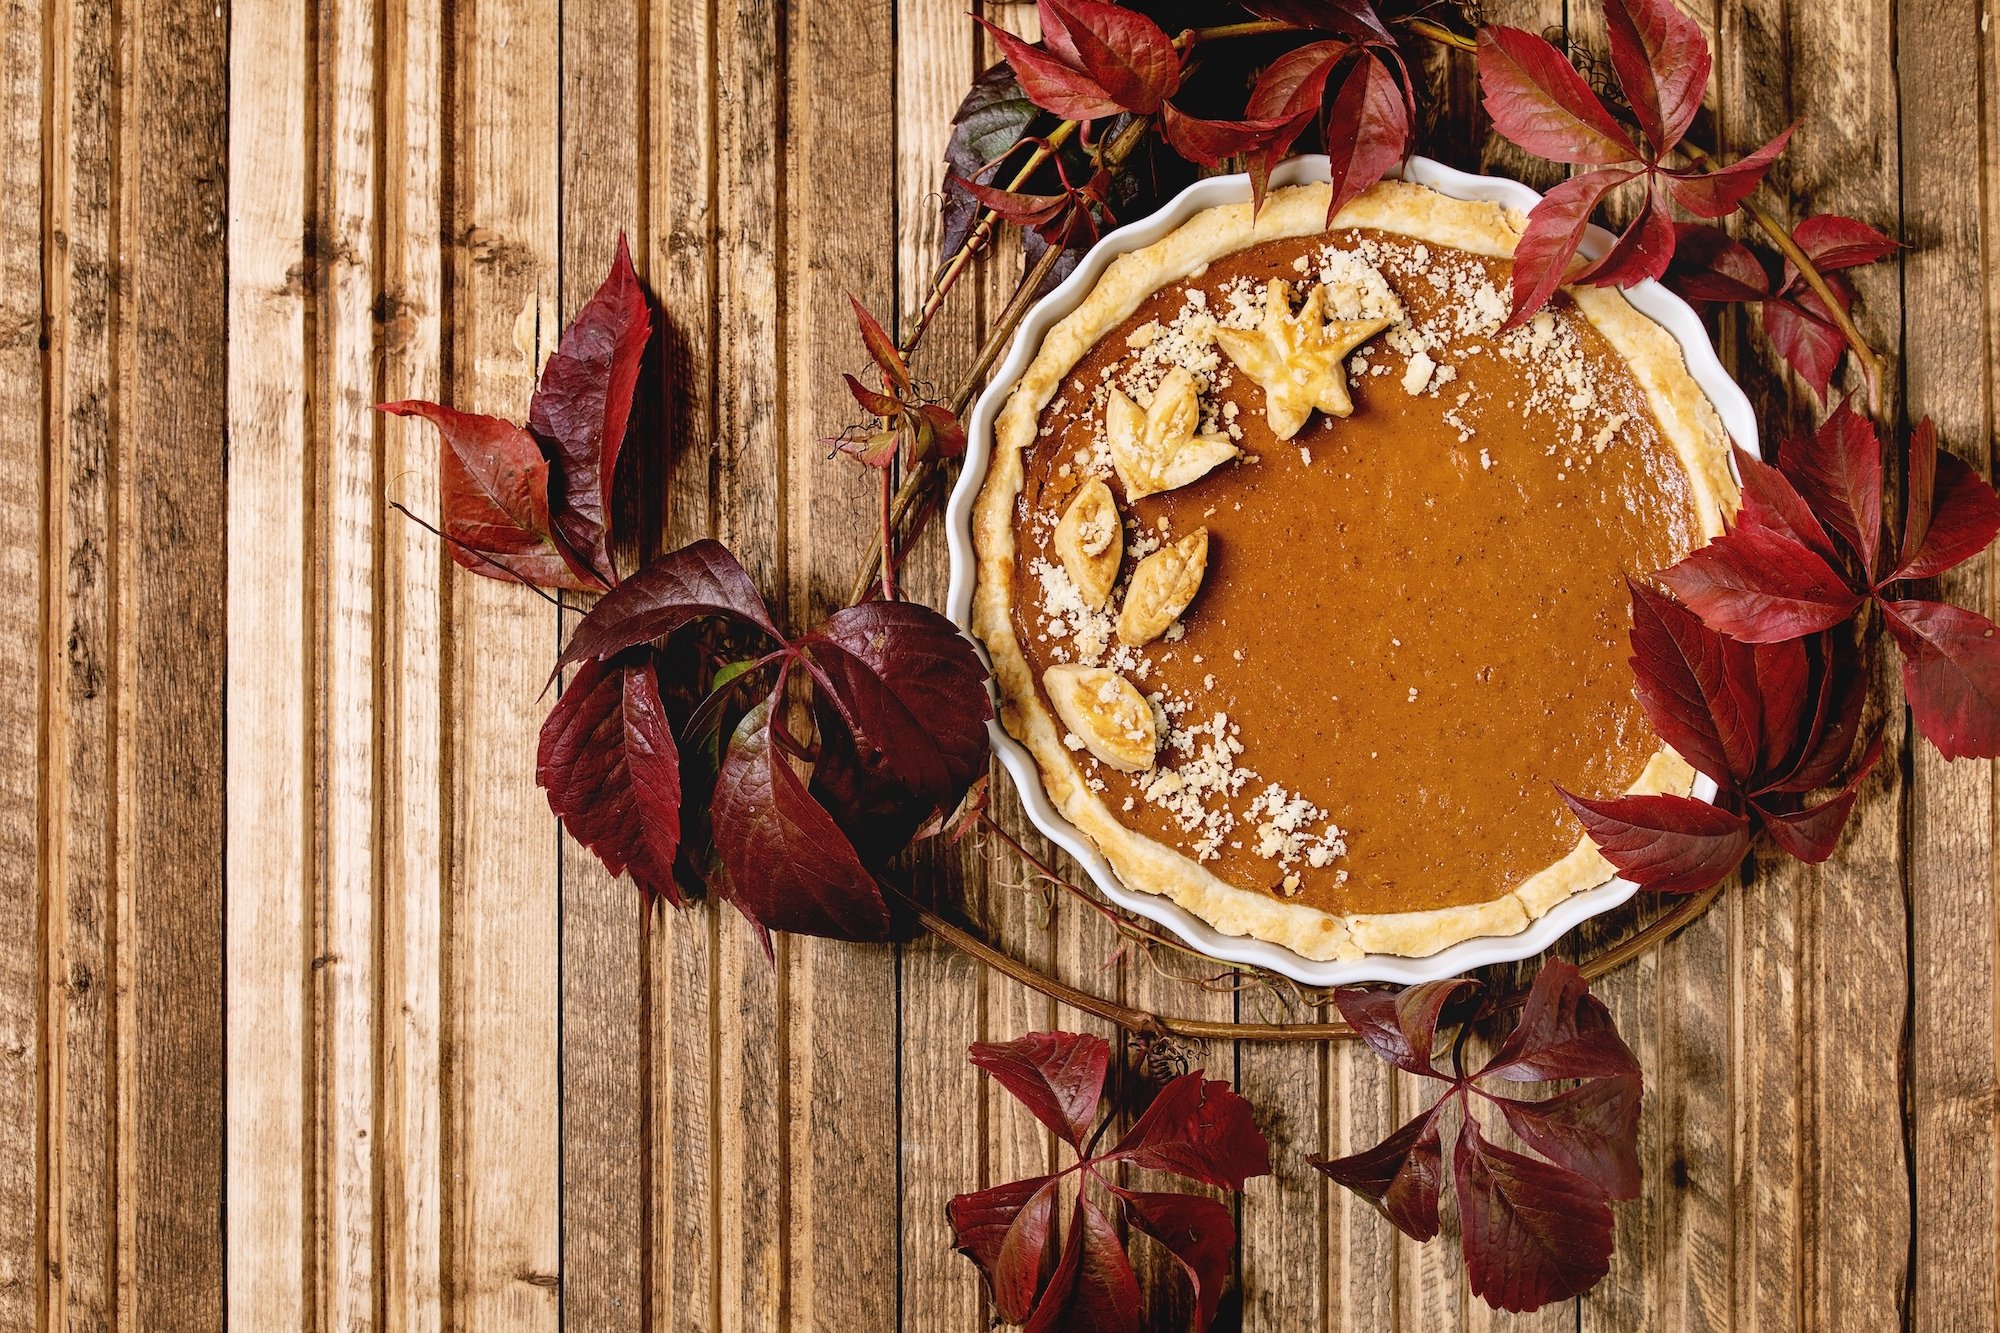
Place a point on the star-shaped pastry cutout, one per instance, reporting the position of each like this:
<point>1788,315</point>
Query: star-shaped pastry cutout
<point>1300,360</point>
<point>1155,449</point>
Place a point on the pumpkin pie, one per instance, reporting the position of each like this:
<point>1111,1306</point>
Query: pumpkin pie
<point>1304,577</point>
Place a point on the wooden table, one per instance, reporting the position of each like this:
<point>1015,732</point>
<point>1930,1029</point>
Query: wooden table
<point>308,1015</point>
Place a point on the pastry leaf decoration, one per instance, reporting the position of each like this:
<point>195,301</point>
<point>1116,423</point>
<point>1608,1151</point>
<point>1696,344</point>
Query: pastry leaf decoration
<point>1080,1275</point>
<point>1299,358</point>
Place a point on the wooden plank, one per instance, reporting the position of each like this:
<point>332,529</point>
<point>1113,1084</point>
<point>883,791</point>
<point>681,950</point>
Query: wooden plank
<point>839,107</point>
<point>752,1134</point>
<point>269,771</point>
<point>502,1137</point>
<point>1949,349</point>
<point>941,1150</point>
<point>346,525</point>
<point>681,76</point>
<point>412,638</point>
<point>607,1159</point>
<point>22,497</point>
<point>1283,1217</point>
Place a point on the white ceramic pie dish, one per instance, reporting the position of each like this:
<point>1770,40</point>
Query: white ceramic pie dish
<point>1650,298</point>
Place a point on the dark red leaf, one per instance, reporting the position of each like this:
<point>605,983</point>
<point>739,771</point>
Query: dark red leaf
<point>1781,674</point>
<point>1669,844</point>
<point>494,485</point>
<point>789,866</point>
<point>1023,210</point>
<point>1592,1129</point>
<point>912,691</point>
<point>1953,513</point>
<point>947,432</point>
<point>1555,228</point>
<point>1641,252</point>
<point>1835,723</point>
<point>1715,194</point>
<point>1122,50</point>
<point>871,400</point>
<point>1564,1032</point>
<point>1534,1233</point>
<point>1050,83</point>
<point>1198,1129</point>
<point>1402,1175</point>
<point>1662,63</point>
<point>1401,1026</point>
<point>1537,99</point>
<point>1798,327</point>
<point>1811,834</point>
<point>1093,1290</point>
<point>1711,266</point>
<point>700,580</point>
<point>1057,1075</point>
<point>1759,585</point>
<point>583,405</point>
<point>1367,129</point>
<point>1835,242</point>
<point>1201,1234</point>
<point>608,762</point>
<point>1951,675</point>
<point>1007,1230</point>
<point>1352,18</point>
<point>1771,501</point>
<point>1294,84</point>
<point>1698,688</point>
<point>1209,142</point>
<point>881,347</point>
<point>1838,470</point>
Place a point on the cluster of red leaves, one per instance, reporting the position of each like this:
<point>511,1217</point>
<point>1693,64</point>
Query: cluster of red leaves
<point>930,428</point>
<point>1533,1229</point>
<point>786,803</point>
<point>533,503</point>
<point>1194,1128</point>
<point>1750,676</point>
<point>1538,100</point>
<point>1711,268</point>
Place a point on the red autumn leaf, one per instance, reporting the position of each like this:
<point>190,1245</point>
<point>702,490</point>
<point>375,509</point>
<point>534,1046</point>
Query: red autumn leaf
<point>1352,18</point>
<point>1057,1075</point>
<point>1780,674</point>
<point>1049,82</point>
<point>1952,513</point>
<point>1799,327</point>
<point>1538,100</point>
<point>1367,129</point>
<point>1662,63</point>
<point>1669,844</point>
<point>947,433</point>
<point>1122,50</point>
<point>1199,1232</point>
<point>1294,83</point>
<point>494,485</point>
<point>1697,687</point>
<point>1093,1288</point>
<point>1641,252</point>
<point>1715,194</point>
<point>1759,585</point>
<point>700,580</point>
<point>1555,229</point>
<point>1811,834</point>
<point>912,691</point>
<point>1835,242</point>
<point>1710,265</point>
<point>1838,471</point>
<point>1007,1231</point>
<point>1402,1176</point>
<point>1771,501</point>
<point>1564,1032</point>
<point>1402,1026</point>
<point>882,350</point>
<point>1209,142</point>
<point>872,400</point>
<point>613,774</point>
<point>1836,721</point>
<point>789,866</point>
<point>1951,675</point>
<point>1592,1129</point>
<point>1534,1232</point>
<point>1199,1129</point>
<point>583,405</point>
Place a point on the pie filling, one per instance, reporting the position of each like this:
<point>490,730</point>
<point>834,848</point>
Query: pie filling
<point>1346,660</point>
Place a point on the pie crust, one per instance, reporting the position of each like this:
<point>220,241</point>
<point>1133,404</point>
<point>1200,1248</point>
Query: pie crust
<point>1683,414</point>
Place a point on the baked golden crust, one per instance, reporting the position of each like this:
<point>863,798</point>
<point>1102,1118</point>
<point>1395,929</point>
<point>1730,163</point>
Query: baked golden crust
<point>1684,415</point>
